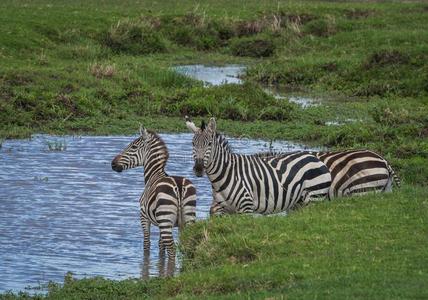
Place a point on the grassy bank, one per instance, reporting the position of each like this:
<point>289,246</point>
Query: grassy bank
<point>369,247</point>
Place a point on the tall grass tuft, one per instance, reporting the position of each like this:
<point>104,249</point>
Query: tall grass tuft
<point>135,37</point>
<point>102,71</point>
<point>252,47</point>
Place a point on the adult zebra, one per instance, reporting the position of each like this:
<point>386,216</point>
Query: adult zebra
<point>353,172</point>
<point>251,183</point>
<point>358,172</point>
<point>167,201</point>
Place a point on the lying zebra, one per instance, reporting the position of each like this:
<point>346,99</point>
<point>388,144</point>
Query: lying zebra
<point>357,172</point>
<point>167,201</point>
<point>251,183</point>
<point>353,172</point>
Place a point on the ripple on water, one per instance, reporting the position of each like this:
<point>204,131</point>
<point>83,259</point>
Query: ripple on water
<point>84,217</point>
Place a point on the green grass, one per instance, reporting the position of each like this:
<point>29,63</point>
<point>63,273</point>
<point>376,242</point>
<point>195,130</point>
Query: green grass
<point>363,247</point>
<point>55,56</point>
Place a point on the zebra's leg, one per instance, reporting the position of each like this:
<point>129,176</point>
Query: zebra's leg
<point>168,242</point>
<point>303,200</point>
<point>216,208</point>
<point>145,267</point>
<point>145,223</point>
<point>161,248</point>
<point>188,204</point>
<point>161,263</point>
<point>245,204</point>
<point>388,186</point>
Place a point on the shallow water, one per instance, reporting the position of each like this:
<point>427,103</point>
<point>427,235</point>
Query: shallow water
<point>218,75</point>
<point>213,75</point>
<point>68,211</point>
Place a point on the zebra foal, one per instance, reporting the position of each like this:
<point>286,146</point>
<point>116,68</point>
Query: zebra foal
<point>167,201</point>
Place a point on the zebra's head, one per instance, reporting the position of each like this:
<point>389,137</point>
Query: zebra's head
<point>134,154</point>
<point>203,139</point>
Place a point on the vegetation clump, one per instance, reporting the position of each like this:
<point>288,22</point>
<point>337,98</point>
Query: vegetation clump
<point>100,70</point>
<point>236,102</point>
<point>385,58</point>
<point>321,27</point>
<point>135,37</point>
<point>197,30</point>
<point>358,13</point>
<point>252,47</point>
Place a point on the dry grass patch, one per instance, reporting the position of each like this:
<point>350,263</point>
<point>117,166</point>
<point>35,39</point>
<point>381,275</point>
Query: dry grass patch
<point>102,71</point>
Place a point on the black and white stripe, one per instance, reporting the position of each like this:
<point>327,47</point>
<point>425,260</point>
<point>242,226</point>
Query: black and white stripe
<point>256,183</point>
<point>358,172</point>
<point>167,201</point>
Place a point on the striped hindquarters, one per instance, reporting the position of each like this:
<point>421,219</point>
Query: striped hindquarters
<point>356,172</point>
<point>173,202</point>
<point>187,201</point>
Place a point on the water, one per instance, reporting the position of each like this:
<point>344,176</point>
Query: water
<point>68,211</point>
<point>218,75</point>
<point>303,101</point>
<point>212,75</point>
<point>343,122</point>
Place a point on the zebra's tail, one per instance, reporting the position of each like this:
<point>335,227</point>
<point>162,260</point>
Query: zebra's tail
<point>180,197</point>
<point>395,177</point>
<point>180,217</point>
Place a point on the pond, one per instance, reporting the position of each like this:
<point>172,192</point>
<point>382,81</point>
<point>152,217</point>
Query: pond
<point>218,75</point>
<point>66,210</point>
<point>213,75</point>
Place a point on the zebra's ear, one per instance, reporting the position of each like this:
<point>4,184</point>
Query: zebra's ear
<point>212,125</point>
<point>192,127</point>
<point>143,131</point>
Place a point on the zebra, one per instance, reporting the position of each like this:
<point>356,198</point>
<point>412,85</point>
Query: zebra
<point>254,184</point>
<point>357,172</point>
<point>167,201</point>
<point>353,172</point>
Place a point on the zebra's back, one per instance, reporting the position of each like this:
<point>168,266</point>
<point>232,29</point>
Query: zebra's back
<point>278,182</point>
<point>357,172</point>
<point>303,176</point>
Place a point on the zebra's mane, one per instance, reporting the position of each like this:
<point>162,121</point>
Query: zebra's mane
<point>269,153</point>
<point>273,153</point>
<point>159,140</point>
<point>223,142</point>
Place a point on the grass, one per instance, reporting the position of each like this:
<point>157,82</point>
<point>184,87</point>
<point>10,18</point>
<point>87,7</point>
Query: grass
<point>113,61</point>
<point>363,247</point>
<point>90,67</point>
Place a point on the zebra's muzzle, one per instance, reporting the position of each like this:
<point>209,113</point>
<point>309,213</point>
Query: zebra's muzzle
<point>198,168</point>
<point>115,164</point>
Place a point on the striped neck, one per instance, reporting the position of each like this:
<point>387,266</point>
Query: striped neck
<point>156,156</point>
<point>221,154</point>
